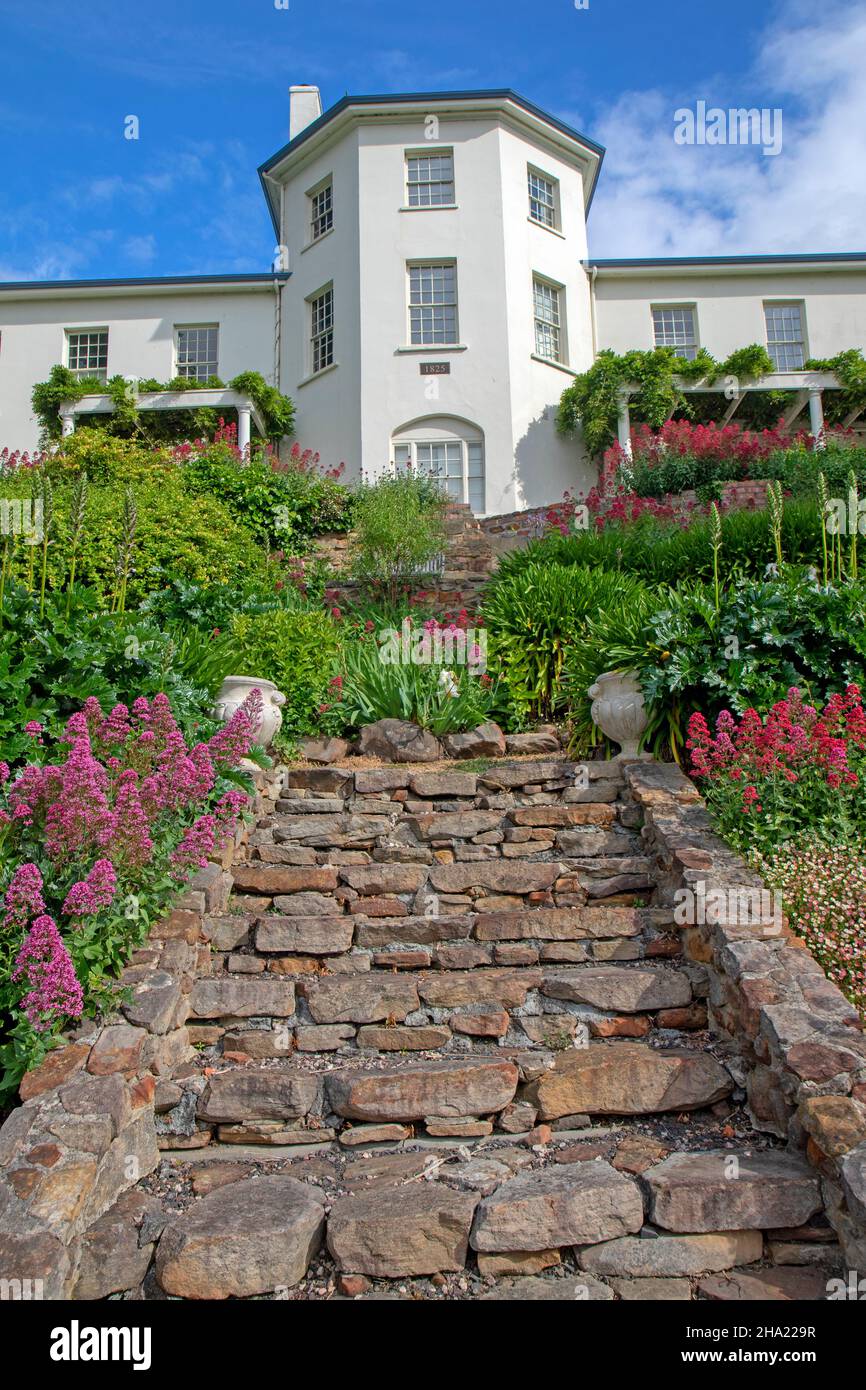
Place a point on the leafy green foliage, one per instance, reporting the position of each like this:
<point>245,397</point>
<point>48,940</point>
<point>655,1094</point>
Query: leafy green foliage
<point>50,665</point>
<point>298,652</point>
<point>591,401</point>
<point>533,614</point>
<point>177,534</point>
<point>398,532</point>
<point>443,701</point>
<point>665,551</point>
<point>277,411</point>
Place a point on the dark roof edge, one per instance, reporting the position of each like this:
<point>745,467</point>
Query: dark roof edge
<point>494,93</point>
<point>255,277</point>
<point>809,257</point>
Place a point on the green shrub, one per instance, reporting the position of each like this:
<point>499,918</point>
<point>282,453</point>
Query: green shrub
<point>663,552</point>
<point>398,532</point>
<point>533,614</point>
<point>298,652</point>
<point>51,663</point>
<point>176,535</point>
<point>281,507</point>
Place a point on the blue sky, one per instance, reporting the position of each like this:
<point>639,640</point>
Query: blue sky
<point>209,85</point>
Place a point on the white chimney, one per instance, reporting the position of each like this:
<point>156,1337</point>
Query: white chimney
<point>305,106</point>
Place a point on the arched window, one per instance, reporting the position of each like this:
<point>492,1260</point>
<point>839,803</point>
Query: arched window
<point>446,448</point>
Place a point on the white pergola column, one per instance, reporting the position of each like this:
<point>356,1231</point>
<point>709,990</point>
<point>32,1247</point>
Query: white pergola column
<point>816,415</point>
<point>623,424</point>
<point>243,428</point>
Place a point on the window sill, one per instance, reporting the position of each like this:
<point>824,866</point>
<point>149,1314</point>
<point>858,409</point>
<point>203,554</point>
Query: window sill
<point>542,226</point>
<point>551,362</point>
<point>317,376</point>
<point>319,239</point>
<point>434,207</point>
<point>432,349</point>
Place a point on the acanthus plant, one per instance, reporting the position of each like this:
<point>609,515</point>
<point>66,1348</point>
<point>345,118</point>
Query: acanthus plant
<point>93,846</point>
<point>799,769</point>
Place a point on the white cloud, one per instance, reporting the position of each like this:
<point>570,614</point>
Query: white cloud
<point>657,198</point>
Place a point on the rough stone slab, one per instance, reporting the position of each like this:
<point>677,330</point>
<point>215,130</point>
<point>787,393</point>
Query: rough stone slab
<point>275,879</point>
<point>672,1256</point>
<point>360,1135</point>
<point>430,1088</point>
<point>448,825</point>
<point>498,875</point>
<point>58,1066</point>
<point>621,989</point>
<point>380,779</point>
<point>361,998</point>
<point>313,936</point>
<point>573,1204</point>
<point>710,1192</point>
<point>563,817</point>
<point>628,1079</point>
<point>766,1285</point>
<point>242,998</point>
<point>451,988</point>
<point>403,1039</point>
<point>375,880</point>
<point>524,774</point>
<point>443,783</point>
<point>249,1238</point>
<point>510,1262</point>
<point>157,1004</point>
<point>325,1037</point>
<point>652,1290</point>
<point>536,1289</point>
<point>424,1232</point>
<point>112,1260</point>
<point>411,931</point>
<point>272,1093</point>
<point>558,924</point>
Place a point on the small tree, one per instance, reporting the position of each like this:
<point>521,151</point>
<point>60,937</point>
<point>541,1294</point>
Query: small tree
<point>398,531</point>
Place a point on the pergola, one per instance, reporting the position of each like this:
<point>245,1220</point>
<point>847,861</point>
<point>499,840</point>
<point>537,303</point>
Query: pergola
<point>808,388</point>
<point>221,397</point>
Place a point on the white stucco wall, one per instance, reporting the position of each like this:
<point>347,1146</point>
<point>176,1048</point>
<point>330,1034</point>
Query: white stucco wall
<point>352,412</point>
<point>730,306</point>
<point>141,339</point>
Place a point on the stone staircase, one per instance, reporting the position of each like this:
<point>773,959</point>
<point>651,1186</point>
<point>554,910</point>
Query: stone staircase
<point>455,984</point>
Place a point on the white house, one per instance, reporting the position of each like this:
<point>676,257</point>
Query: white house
<point>431,297</point>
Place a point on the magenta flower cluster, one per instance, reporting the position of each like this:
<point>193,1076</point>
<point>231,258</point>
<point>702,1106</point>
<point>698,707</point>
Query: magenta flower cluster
<point>127,787</point>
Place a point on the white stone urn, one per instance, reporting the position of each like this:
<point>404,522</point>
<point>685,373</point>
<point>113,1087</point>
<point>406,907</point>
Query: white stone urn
<point>618,710</point>
<point>235,689</point>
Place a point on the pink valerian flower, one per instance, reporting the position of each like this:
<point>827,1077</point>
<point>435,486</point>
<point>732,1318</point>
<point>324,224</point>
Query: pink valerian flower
<point>4,773</point>
<point>235,739</point>
<point>196,847</point>
<point>23,899</point>
<point>116,729</point>
<point>91,894</point>
<point>53,989</point>
<point>34,729</point>
<point>75,821</point>
<point>125,834</point>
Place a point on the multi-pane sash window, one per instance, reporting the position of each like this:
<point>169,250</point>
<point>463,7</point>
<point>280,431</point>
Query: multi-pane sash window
<point>786,341</point>
<point>430,179</point>
<point>675,328</point>
<point>321,211</point>
<point>88,352</point>
<point>542,199</point>
<point>322,330</point>
<point>458,464</point>
<point>197,352</point>
<point>433,303</point>
<point>548,326</point>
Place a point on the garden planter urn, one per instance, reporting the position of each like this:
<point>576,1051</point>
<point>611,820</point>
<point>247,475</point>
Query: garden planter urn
<point>618,710</point>
<point>235,689</point>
